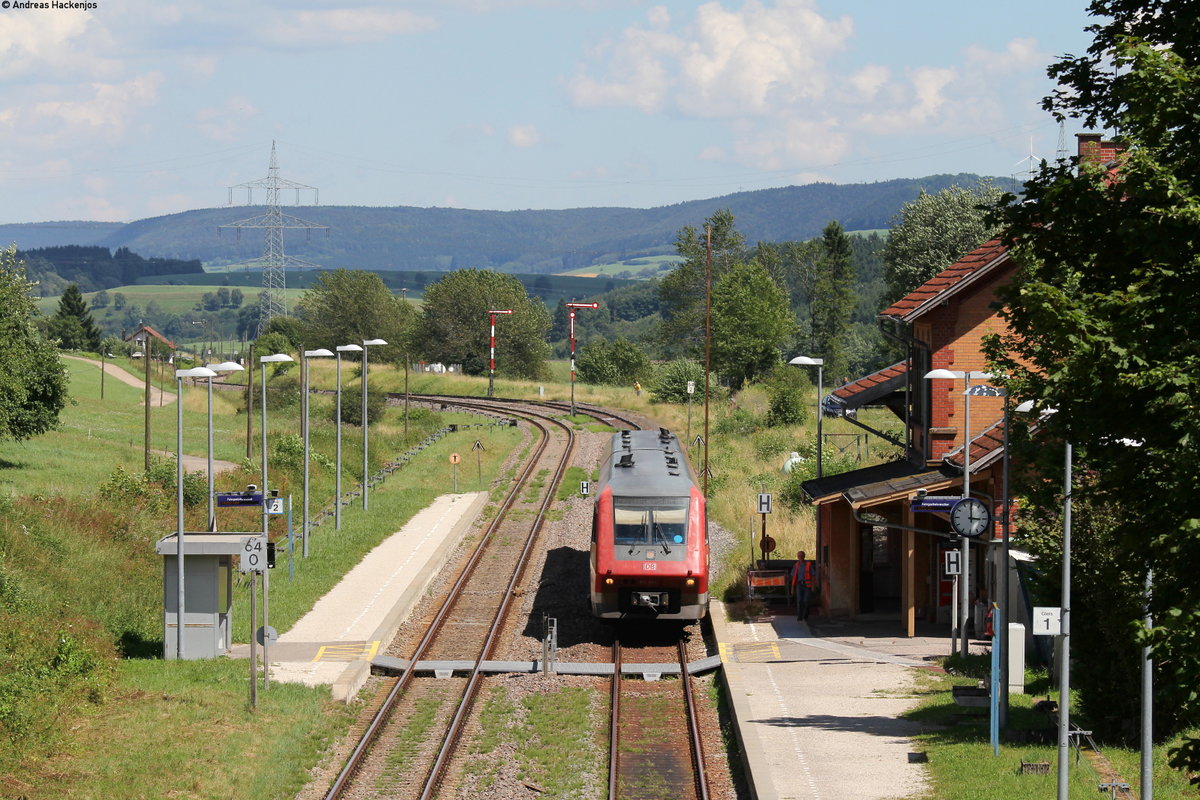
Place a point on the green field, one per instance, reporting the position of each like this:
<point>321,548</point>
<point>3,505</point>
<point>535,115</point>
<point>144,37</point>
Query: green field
<point>637,268</point>
<point>171,299</point>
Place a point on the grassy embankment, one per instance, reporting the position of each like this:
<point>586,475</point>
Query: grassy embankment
<point>961,762</point>
<point>79,581</point>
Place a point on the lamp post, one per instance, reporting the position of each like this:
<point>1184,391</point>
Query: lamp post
<point>366,343</point>
<point>404,295</point>
<point>571,316</point>
<point>195,372</point>
<point>964,584</point>
<point>227,366</point>
<point>337,503</point>
<point>819,363</point>
<point>321,353</point>
<point>492,353</point>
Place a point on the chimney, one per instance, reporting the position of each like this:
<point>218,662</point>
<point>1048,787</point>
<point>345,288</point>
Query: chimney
<point>1093,149</point>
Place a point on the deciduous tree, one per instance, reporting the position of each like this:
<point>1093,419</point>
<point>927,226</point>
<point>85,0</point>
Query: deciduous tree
<point>33,381</point>
<point>348,306</point>
<point>1104,315</point>
<point>932,232</point>
<point>682,291</point>
<point>455,327</point>
<point>750,323</point>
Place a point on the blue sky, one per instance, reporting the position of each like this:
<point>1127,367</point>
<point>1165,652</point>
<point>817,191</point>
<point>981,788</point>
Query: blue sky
<point>144,107</point>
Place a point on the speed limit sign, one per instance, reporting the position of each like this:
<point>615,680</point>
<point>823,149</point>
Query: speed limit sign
<point>254,554</point>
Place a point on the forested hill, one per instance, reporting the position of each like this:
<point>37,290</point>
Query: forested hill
<point>514,241</point>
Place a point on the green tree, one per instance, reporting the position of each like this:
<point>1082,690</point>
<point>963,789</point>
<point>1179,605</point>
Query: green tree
<point>1103,315</point>
<point>236,297</point>
<point>455,326</point>
<point>118,301</point>
<point>73,325</point>
<point>932,232</point>
<point>349,306</point>
<point>833,300</point>
<point>33,381</point>
<point>750,323</point>
<point>682,290</point>
<point>100,299</point>
<point>617,363</point>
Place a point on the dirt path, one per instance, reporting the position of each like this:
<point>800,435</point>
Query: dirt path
<point>159,397</point>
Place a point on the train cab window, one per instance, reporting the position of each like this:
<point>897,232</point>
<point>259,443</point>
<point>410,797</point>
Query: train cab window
<point>650,520</point>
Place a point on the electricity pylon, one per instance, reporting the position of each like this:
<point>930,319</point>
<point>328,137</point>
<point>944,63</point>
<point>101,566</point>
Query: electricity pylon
<point>273,262</point>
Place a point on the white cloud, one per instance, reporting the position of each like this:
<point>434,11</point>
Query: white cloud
<point>524,136</point>
<point>755,60</point>
<point>29,38</point>
<point>106,110</point>
<point>1020,54</point>
<point>224,124</point>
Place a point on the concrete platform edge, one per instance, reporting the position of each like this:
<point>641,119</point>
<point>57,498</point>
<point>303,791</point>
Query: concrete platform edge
<point>753,757</point>
<point>348,684</point>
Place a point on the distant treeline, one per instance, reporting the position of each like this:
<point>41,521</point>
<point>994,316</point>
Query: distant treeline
<point>95,268</point>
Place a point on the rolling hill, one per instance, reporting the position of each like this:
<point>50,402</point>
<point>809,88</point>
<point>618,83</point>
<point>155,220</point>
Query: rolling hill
<point>547,241</point>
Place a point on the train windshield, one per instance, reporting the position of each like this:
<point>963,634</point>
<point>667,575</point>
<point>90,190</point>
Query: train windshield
<point>655,521</point>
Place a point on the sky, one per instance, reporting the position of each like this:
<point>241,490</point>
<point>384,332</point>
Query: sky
<point>126,109</point>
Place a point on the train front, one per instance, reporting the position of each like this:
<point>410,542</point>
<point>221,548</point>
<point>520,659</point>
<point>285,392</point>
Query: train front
<point>649,548</point>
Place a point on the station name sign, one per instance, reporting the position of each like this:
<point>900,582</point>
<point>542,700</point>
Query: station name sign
<point>228,499</point>
<point>935,502</point>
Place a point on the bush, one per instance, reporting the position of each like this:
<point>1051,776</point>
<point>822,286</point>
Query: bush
<point>769,444</point>
<point>787,396</point>
<point>163,473</point>
<point>670,382</point>
<point>352,408</point>
<point>738,422</point>
<point>288,452</point>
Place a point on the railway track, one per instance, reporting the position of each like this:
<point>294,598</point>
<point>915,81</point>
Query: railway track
<point>655,748</point>
<point>389,760</point>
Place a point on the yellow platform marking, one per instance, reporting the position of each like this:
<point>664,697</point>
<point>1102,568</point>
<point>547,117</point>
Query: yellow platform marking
<point>749,652</point>
<point>353,651</point>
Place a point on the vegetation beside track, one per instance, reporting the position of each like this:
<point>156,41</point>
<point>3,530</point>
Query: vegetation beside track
<point>961,761</point>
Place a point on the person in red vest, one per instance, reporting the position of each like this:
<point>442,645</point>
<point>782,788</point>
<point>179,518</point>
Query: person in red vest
<point>804,581</point>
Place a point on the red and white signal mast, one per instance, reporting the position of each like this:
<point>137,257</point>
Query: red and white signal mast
<point>492,353</point>
<point>571,315</point>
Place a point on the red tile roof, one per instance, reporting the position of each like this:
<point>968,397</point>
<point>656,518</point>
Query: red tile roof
<point>985,448</point>
<point>871,387</point>
<point>969,266</point>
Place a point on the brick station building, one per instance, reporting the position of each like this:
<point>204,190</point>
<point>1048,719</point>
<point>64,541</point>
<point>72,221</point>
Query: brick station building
<point>895,569</point>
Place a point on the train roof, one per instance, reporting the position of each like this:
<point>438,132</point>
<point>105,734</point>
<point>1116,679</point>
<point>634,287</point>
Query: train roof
<point>655,465</point>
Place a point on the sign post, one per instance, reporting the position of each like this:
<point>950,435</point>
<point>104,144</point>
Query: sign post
<point>454,459</point>
<point>765,543</point>
<point>691,390</point>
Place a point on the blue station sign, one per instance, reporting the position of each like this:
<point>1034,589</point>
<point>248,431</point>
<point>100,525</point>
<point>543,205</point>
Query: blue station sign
<point>229,499</point>
<point>935,503</point>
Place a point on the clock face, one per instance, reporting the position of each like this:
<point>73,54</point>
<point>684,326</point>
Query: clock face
<point>970,517</point>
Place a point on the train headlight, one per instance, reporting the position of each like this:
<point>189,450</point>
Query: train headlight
<point>690,582</point>
<point>608,581</point>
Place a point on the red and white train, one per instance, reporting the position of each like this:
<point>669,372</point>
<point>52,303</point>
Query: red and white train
<point>649,554</point>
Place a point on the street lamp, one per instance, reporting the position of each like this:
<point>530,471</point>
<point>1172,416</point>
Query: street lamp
<point>227,366</point>
<point>337,505</point>
<point>366,343</point>
<point>321,353</point>
<point>492,353</point>
<point>964,584</point>
<point>195,372</point>
<point>571,315</point>
<point>819,363</point>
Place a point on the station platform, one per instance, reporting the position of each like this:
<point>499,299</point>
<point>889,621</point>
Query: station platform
<point>818,708</point>
<point>334,643</point>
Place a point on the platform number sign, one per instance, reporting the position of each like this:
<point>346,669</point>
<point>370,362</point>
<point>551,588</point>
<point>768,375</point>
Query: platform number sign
<point>764,503</point>
<point>274,505</point>
<point>1047,621</point>
<point>254,554</point>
